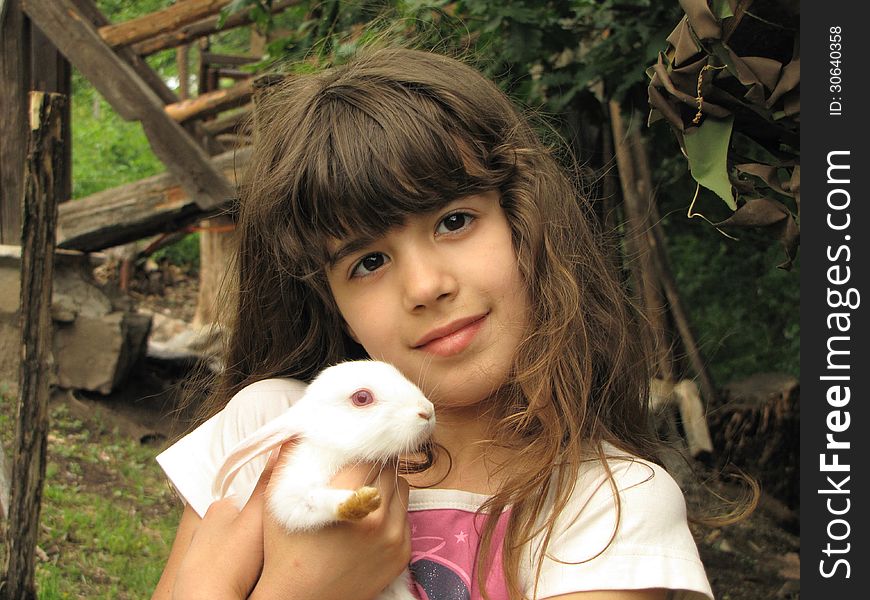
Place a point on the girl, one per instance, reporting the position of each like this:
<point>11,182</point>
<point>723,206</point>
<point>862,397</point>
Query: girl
<point>399,207</point>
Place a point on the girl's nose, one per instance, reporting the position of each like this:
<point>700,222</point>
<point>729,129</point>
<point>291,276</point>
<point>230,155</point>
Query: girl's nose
<point>427,282</point>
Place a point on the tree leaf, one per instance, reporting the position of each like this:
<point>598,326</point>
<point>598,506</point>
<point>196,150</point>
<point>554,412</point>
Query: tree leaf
<point>707,150</point>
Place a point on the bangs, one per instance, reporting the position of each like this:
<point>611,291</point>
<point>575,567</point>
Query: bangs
<point>379,152</point>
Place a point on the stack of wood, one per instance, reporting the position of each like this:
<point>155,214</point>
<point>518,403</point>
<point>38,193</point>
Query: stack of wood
<point>757,429</point>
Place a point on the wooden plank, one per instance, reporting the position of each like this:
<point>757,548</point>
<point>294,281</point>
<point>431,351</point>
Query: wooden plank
<point>213,58</point>
<point>50,72</point>
<point>233,74</point>
<point>131,212</point>
<point>132,98</point>
<point>43,189</point>
<point>233,122</point>
<point>191,32</point>
<point>179,14</point>
<point>211,103</point>
<point>693,417</point>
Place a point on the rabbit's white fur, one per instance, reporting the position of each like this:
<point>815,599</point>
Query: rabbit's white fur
<point>331,432</point>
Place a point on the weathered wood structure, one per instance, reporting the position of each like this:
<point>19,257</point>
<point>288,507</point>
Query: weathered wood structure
<point>40,41</point>
<point>132,97</point>
<point>28,61</point>
<point>44,176</point>
<point>183,132</point>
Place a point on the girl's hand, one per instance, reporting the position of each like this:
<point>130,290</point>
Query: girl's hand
<point>344,561</point>
<point>225,555</point>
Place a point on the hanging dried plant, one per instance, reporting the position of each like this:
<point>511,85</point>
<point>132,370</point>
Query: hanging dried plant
<point>729,87</point>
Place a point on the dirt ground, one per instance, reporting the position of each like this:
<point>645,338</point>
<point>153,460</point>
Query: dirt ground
<point>754,559</point>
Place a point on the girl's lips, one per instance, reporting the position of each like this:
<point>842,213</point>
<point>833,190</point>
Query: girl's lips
<point>455,341</point>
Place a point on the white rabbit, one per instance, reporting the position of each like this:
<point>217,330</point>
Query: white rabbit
<point>357,411</point>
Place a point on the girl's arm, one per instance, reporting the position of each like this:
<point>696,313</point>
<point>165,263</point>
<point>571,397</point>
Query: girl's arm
<point>357,559</point>
<point>229,553</point>
<point>218,556</point>
<point>188,524</point>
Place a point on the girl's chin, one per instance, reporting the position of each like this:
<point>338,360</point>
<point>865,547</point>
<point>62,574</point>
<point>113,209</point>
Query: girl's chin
<point>462,394</point>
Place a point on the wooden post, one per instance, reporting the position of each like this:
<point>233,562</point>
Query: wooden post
<point>43,192</point>
<point>181,57</point>
<point>662,267</point>
<point>14,83</point>
<point>681,318</point>
<point>641,259</point>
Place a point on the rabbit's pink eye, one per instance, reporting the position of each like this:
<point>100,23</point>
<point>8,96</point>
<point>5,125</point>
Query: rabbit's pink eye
<point>362,398</point>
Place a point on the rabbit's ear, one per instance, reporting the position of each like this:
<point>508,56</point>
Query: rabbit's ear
<point>268,437</point>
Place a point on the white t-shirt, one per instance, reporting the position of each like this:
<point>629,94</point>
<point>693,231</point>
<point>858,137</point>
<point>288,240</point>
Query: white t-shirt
<point>652,546</point>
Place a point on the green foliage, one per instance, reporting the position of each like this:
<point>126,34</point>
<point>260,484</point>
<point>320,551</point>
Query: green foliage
<point>118,11</point>
<point>554,52</point>
<point>744,313</point>
<point>184,252</point>
<point>707,150</point>
<point>107,151</point>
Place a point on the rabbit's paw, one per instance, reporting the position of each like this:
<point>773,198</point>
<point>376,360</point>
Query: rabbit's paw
<point>362,502</point>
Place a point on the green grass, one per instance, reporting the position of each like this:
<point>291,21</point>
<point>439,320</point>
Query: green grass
<point>108,516</point>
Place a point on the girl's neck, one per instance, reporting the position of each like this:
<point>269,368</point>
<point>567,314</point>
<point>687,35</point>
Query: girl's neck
<point>467,458</point>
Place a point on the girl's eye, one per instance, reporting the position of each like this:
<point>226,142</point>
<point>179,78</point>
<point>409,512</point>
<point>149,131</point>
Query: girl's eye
<point>455,222</point>
<point>362,398</point>
<point>368,265</point>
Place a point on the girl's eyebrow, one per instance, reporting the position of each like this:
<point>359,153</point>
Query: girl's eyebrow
<point>346,249</point>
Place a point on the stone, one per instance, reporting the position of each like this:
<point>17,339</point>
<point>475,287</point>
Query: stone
<point>97,337</point>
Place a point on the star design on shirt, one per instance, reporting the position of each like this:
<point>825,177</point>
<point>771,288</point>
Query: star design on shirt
<point>461,537</point>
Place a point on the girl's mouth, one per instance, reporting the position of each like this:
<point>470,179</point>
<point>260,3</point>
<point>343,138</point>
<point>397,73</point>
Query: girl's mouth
<point>452,338</point>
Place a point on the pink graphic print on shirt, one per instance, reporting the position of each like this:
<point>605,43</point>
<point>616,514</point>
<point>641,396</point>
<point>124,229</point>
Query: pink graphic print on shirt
<point>444,546</point>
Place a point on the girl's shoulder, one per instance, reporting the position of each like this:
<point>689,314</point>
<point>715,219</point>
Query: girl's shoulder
<point>628,516</point>
<point>255,405</point>
<point>623,474</point>
<point>192,461</point>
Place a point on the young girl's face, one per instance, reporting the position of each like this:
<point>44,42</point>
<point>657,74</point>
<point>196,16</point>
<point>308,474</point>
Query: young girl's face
<point>440,297</point>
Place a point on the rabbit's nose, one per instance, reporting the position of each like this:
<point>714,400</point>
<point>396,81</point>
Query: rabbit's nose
<point>425,414</point>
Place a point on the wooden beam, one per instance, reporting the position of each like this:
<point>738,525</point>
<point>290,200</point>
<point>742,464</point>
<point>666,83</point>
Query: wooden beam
<point>212,58</point>
<point>43,190</point>
<point>234,74</point>
<point>124,214</point>
<point>132,98</point>
<point>179,14</point>
<point>89,11</point>
<point>232,123</point>
<point>211,103</point>
<point>191,32</point>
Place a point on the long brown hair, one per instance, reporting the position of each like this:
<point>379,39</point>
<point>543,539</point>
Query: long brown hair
<point>358,148</point>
